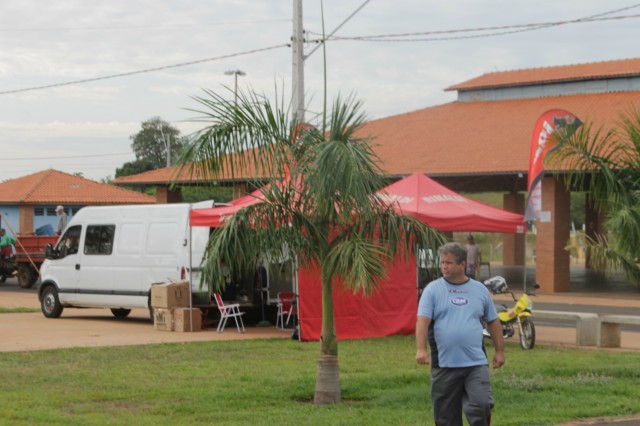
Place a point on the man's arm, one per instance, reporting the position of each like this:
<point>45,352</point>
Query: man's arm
<point>422,330</point>
<point>495,328</point>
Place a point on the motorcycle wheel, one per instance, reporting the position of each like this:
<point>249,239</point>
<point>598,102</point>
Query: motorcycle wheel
<point>528,334</point>
<point>3,278</point>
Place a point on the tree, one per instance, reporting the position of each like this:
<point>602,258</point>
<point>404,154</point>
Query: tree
<point>150,143</point>
<point>607,165</point>
<point>134,167</point>
<point>323,212</point>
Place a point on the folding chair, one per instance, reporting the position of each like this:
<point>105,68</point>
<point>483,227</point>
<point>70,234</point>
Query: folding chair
<point>229,311</point>
<point>285,307</point>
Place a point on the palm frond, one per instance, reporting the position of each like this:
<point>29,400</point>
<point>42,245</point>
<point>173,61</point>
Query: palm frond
<point>343,170</point>
<point>606,258</point>
<point>250,137</point>
<point>359,262</point>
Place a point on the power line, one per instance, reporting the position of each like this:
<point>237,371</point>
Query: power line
<point>375,38</point>
<point>515,28</point>
<point>143,71</point>
<point>339,26</point>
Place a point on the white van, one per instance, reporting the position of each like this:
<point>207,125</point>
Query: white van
<point>109,256</point>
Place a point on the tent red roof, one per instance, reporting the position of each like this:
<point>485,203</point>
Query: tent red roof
<point>415,195</point>
<point>445,210</point>
<point>216,216</point>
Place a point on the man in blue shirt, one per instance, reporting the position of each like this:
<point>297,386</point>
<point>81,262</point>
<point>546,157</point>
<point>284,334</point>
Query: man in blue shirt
<point>450,312</point>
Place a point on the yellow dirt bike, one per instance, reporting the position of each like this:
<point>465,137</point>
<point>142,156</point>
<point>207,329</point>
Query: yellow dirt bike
<point>516,318</point>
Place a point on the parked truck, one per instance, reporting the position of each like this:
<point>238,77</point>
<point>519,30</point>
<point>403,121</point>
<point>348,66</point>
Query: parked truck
<point>26,262</point>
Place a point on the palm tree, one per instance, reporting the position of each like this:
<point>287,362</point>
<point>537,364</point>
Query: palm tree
<point>323,211</point>
<point>607,165</point>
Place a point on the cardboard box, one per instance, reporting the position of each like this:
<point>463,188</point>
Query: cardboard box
<point>163,319</point>
<point>170,295</point>
<point>184,317</point>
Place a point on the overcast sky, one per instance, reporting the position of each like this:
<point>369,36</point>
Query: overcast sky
<point>86,128</point>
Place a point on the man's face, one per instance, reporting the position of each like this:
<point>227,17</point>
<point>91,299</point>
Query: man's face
<point>451,270</point>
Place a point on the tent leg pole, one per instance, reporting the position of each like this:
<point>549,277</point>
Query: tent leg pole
<point>524,279</point>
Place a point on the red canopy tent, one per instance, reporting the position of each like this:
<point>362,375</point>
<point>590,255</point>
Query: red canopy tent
<point>445,210</point>
<point>215,217</point>
<point>392,308</point>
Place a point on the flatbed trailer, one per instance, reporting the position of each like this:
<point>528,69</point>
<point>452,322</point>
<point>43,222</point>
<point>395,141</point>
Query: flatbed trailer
<point>30,250</point>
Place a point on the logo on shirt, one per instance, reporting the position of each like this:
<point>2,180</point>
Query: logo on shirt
<point>459,301</point>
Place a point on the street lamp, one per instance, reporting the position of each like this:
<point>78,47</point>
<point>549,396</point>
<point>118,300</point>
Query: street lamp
<point>235,73</point>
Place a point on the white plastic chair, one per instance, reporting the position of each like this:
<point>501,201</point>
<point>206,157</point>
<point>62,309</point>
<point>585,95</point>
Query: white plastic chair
<point>228,311</point>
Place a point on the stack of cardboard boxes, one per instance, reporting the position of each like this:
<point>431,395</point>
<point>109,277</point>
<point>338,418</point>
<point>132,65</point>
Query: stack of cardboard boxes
<point>171,312</point>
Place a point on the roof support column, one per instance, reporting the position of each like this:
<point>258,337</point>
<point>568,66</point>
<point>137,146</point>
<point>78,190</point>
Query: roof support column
<point>239,190</point>
<point>164,195</point>
<point>26,219</point>
<point>552,260</point>
<point>513,244</point>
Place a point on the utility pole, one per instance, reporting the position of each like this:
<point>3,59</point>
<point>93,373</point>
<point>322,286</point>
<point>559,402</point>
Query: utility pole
<point>297,48</point>
<point>167,145</point>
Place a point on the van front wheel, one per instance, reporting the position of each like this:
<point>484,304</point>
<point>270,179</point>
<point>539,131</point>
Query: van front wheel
<point>50,304</point>
<point>120,313</point>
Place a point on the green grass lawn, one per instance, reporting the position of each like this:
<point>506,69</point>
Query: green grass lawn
<point>272,382</point>
<point>17,310</point>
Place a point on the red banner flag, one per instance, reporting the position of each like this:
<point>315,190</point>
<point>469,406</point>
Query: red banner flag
<point>541,145</point>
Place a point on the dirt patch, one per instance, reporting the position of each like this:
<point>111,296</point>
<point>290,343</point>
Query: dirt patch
<point>95,327</point>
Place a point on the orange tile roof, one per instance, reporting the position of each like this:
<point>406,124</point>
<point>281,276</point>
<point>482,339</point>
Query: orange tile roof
<point>55,187</point>
<point>480,137</point>
<point>460,138</point>
<point>523,77</point>
<point>175,174</point>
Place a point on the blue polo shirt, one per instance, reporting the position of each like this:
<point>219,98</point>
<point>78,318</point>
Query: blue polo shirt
<point>455,332</point>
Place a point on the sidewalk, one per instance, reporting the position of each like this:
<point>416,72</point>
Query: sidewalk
<point>567,335</point>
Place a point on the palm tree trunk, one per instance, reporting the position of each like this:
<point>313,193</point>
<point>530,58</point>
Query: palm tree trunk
<point>328,380</point>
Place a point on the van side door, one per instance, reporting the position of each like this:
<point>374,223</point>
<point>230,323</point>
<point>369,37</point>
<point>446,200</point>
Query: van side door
<point>96,268</point>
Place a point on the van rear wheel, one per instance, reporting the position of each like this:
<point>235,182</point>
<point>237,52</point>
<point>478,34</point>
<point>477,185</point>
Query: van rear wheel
<point>50,303</point>
<point>120,313</point>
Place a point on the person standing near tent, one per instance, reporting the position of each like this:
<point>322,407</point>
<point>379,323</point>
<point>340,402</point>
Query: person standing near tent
<point>62,219</point>
<point>450,312</point>
<point>474,256</point>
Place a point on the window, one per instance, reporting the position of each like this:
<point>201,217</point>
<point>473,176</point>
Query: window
<point>69,242</point>
<point>38,211</point>
<point>99,239</point>
<point>51,211</point>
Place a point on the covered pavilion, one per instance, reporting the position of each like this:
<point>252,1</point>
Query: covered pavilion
<point>481,143</point>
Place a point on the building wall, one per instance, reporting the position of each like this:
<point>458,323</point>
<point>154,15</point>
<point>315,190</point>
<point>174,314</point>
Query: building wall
<point>27,218</point>
<point>552,89</point>
<point>10,218</point>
